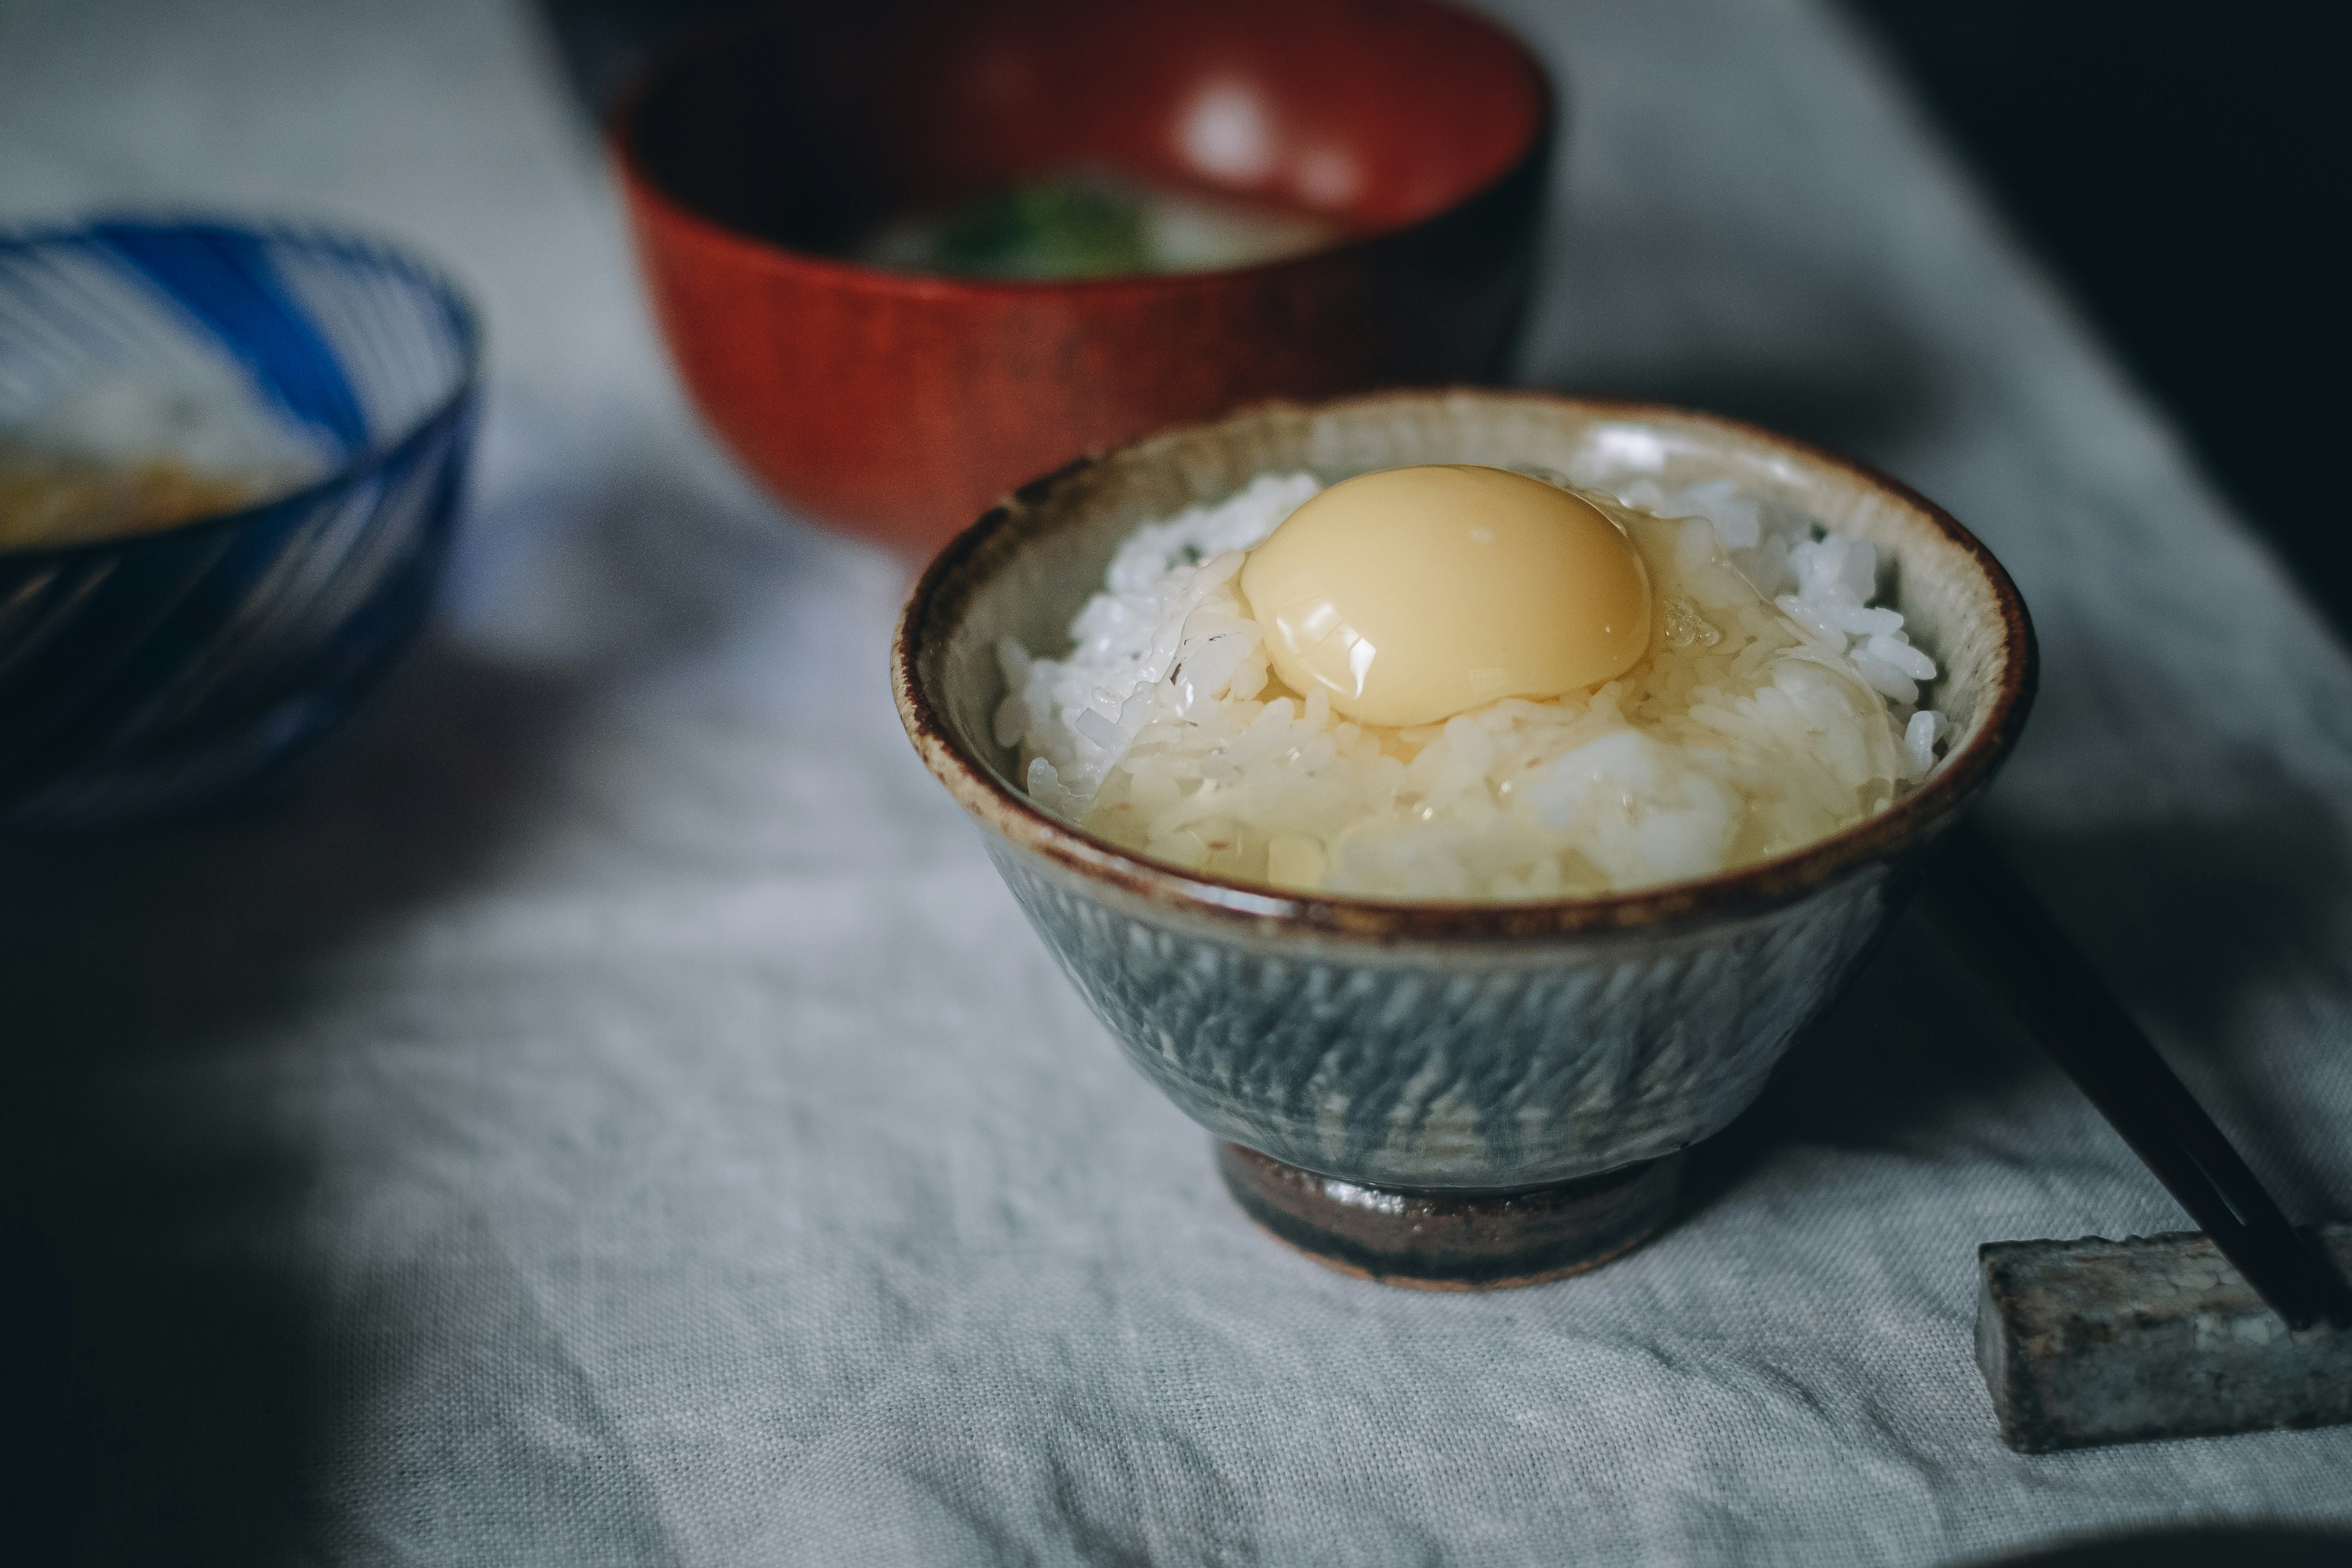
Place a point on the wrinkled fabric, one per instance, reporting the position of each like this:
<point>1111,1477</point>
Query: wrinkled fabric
<point>615,1115</point>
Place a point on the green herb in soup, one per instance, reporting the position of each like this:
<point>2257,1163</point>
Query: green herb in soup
<point>1091,226</point>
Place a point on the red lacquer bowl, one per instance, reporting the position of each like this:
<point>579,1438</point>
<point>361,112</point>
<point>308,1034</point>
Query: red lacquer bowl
<point>895,406</point>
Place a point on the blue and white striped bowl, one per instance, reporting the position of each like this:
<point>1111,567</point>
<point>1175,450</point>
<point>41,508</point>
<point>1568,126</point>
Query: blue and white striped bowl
<point>155,673</point>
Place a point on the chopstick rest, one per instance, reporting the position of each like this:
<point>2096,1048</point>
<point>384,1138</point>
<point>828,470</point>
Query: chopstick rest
<point>2092,1342</point>
<point>2097,1342</point>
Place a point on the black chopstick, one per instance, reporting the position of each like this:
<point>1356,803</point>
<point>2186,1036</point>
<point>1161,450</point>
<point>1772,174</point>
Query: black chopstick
<point>1985,912</point>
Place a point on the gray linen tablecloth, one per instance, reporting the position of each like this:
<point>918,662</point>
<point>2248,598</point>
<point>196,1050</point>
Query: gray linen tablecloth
<point>616,1116</point>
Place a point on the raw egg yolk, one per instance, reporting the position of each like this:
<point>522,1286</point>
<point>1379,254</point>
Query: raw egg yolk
<point>1417,593</point>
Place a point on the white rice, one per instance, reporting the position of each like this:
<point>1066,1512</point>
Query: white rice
<point>1775,706</point>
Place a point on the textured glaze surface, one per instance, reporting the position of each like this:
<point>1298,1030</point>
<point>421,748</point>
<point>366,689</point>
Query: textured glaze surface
<point>1450,1067</point>
<point>895,406</point>
<point>158,673</point>
<point>1453,1241</point>
<point>1451,1045</point>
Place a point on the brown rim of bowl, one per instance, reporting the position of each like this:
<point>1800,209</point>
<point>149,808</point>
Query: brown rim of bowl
<point>774,256</point>
<point>948,583</point>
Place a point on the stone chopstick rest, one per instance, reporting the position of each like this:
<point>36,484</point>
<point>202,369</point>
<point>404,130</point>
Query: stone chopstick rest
<point>2093,1341</point>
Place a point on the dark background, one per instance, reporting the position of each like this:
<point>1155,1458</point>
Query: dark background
<point>2176,161</point>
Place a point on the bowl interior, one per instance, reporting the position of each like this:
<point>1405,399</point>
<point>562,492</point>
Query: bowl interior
<point>810,124</point>
<point>1027,577</point>
<point>282,346</point>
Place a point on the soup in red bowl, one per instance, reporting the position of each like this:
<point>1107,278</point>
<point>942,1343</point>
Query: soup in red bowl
<point>1400,145</point>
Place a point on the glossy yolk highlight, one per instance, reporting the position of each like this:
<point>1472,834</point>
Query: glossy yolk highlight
<point>1417,593</point>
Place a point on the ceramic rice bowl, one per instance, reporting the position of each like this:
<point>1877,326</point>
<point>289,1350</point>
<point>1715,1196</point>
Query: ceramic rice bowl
<point>1450,1049</point>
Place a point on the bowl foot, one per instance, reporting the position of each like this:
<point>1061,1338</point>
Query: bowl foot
<point>1433,1240</point>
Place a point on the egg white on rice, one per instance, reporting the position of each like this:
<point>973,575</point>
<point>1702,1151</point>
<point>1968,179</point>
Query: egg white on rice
<point>1777,705</point>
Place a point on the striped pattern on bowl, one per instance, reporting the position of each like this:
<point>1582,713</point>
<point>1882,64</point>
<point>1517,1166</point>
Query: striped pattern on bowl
<point>154,673</point>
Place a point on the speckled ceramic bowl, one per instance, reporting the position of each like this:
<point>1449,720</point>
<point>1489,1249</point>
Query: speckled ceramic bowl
<point>1420,1061</point>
